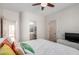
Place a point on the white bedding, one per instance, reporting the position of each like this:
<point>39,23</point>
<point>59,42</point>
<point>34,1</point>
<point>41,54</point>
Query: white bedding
<point>45,47</point>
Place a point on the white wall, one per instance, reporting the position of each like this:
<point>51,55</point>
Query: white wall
<point>0,12</point>
<point>67,21</point>
<point>40,21</point>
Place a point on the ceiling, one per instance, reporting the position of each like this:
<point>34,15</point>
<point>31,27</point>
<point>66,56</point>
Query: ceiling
<point>19,7</point>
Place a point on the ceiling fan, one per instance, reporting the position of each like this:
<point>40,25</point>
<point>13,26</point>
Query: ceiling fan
<point>43,5</point>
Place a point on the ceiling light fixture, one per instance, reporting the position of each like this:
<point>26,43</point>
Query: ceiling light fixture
<point>43,4</point>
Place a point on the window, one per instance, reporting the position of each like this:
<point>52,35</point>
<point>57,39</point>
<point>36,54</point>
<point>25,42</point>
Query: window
<point>12,31</point>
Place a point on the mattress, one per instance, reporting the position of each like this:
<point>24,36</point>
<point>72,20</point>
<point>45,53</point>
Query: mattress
<point>45,47</point>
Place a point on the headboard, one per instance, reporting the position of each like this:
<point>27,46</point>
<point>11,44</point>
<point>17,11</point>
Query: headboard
<point>73,37</point>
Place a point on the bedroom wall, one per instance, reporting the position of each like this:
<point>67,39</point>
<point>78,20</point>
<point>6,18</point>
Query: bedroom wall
<point>25,20</point>
<point>10,15</point>
<point>0,12</point>
<point>67,20</point>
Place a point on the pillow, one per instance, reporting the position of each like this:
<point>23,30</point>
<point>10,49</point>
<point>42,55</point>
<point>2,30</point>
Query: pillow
<point>6,50</point>
<point>17,50</point>
<point>2,39</point>
<point>6,41</point>
<point>27,48</point>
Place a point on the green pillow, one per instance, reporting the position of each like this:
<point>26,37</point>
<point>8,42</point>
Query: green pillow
<point>27,48</point>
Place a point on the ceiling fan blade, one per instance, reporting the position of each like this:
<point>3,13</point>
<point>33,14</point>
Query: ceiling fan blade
<point>50,5</point>
<point>36,4</point>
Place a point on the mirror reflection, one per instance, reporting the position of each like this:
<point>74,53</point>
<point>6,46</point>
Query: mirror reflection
<point>33,30</point>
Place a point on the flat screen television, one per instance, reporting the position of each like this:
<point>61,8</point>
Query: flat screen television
<point>73,37</point>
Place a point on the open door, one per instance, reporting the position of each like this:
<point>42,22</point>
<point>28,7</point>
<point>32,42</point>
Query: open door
<point>33,30</point>
<point>52,30</point>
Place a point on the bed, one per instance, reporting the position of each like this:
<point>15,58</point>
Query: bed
<point>45,47</point>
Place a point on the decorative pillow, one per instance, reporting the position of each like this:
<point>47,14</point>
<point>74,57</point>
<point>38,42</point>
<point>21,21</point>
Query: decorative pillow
<point>4,41</point>
<point>12,45</point>
<point>1,41</point>
<point>17,50</point>
<point>6,50</point>
<point>27,48</point>
<point>7,42</point>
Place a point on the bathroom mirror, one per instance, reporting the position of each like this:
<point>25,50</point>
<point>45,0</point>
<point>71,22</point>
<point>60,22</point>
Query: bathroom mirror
<point>33,30</point>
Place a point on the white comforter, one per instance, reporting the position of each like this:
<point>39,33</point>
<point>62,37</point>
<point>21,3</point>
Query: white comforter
<point>45,47</point>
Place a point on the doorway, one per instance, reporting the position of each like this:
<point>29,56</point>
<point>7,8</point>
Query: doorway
<point>33,30</point>
<point>52,30</point>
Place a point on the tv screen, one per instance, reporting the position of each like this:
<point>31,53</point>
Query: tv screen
<point>73,37</point>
